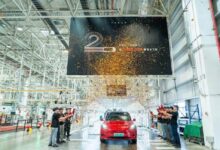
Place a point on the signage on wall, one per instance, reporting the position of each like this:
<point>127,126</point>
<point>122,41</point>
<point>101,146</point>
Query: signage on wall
<point>116,90</point>
<point>119,46</point>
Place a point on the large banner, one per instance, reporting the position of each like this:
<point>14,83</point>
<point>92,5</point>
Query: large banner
<point>119,46</point>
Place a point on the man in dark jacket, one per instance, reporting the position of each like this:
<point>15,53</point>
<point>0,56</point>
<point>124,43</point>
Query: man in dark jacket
<point>174,126</point>
<point>67,127</point>
<point>54,127</point>
<point>60,134</point>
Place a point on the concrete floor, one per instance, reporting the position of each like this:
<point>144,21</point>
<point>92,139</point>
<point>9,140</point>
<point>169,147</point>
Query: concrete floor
<point>86,139</point>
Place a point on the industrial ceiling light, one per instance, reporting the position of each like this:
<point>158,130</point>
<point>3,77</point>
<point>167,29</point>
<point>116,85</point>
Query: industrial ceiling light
<point>3,25</point>
<point>65,50</point>
<point>52,32</point>
<point>45,32</point>
<point>19,29</point>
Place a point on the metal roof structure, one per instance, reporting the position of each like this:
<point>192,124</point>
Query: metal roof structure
<point>34,39</point>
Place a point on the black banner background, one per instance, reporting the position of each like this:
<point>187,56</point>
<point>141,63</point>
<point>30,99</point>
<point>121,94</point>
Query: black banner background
<point>119,46</point>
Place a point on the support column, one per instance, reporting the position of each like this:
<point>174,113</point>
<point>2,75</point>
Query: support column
<point>207,62</point>
<point>21,84</point>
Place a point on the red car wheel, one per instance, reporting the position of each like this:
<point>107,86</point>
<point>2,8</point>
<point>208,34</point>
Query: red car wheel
<point>134,141</point>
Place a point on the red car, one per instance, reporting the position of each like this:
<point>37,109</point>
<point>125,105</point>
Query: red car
<point>118,125</point>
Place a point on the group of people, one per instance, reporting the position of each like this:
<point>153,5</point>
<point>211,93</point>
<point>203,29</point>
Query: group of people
<point>167,123</point>
<point>60,126</point>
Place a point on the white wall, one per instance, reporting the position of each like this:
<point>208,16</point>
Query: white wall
<point>184,86</point>
<point>196,64</point>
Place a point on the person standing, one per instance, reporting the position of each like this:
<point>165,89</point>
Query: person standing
<point>61,128</point>
<point>174,127</point>
<point>54,127</point>
<point>151,119</point>
<point>169,128</point>
<point>67,127</point>
<point>58,132</point>
<point>44,117</point>
<point>162,122</point>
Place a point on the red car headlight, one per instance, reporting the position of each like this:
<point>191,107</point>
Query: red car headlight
<point>104,126</point>
<point>132,127</point>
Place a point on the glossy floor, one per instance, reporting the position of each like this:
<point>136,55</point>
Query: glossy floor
<point>86,139</point>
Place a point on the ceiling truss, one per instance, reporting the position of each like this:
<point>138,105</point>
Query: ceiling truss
<point>33,45</point>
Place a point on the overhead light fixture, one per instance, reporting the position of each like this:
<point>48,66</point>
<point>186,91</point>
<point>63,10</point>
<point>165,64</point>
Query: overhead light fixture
<point>19,29</point>
<point>45,32</point>
<point>52,32</point>
<point>3,25</point>
<point>66,51</point>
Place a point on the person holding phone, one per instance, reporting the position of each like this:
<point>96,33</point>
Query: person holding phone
<point>54,127</point>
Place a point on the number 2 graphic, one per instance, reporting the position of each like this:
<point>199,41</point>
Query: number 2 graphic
<point>97,39</point>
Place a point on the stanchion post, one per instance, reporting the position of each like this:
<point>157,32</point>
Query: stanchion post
<point>31,122</point>
<point>17,126</point>
<point>24,124</point>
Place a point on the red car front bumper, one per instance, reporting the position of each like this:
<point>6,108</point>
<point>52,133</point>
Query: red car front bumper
<point>110,134</point>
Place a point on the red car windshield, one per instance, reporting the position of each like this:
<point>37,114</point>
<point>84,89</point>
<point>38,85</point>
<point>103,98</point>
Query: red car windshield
<point>118,116</point>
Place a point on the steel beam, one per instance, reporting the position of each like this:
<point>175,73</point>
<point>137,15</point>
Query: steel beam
<point>122,6</point>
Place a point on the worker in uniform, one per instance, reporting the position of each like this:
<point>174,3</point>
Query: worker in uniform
<point>67,127</point>
<point>174,126</point>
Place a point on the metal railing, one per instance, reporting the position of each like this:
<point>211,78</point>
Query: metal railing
<point>23,124</point>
